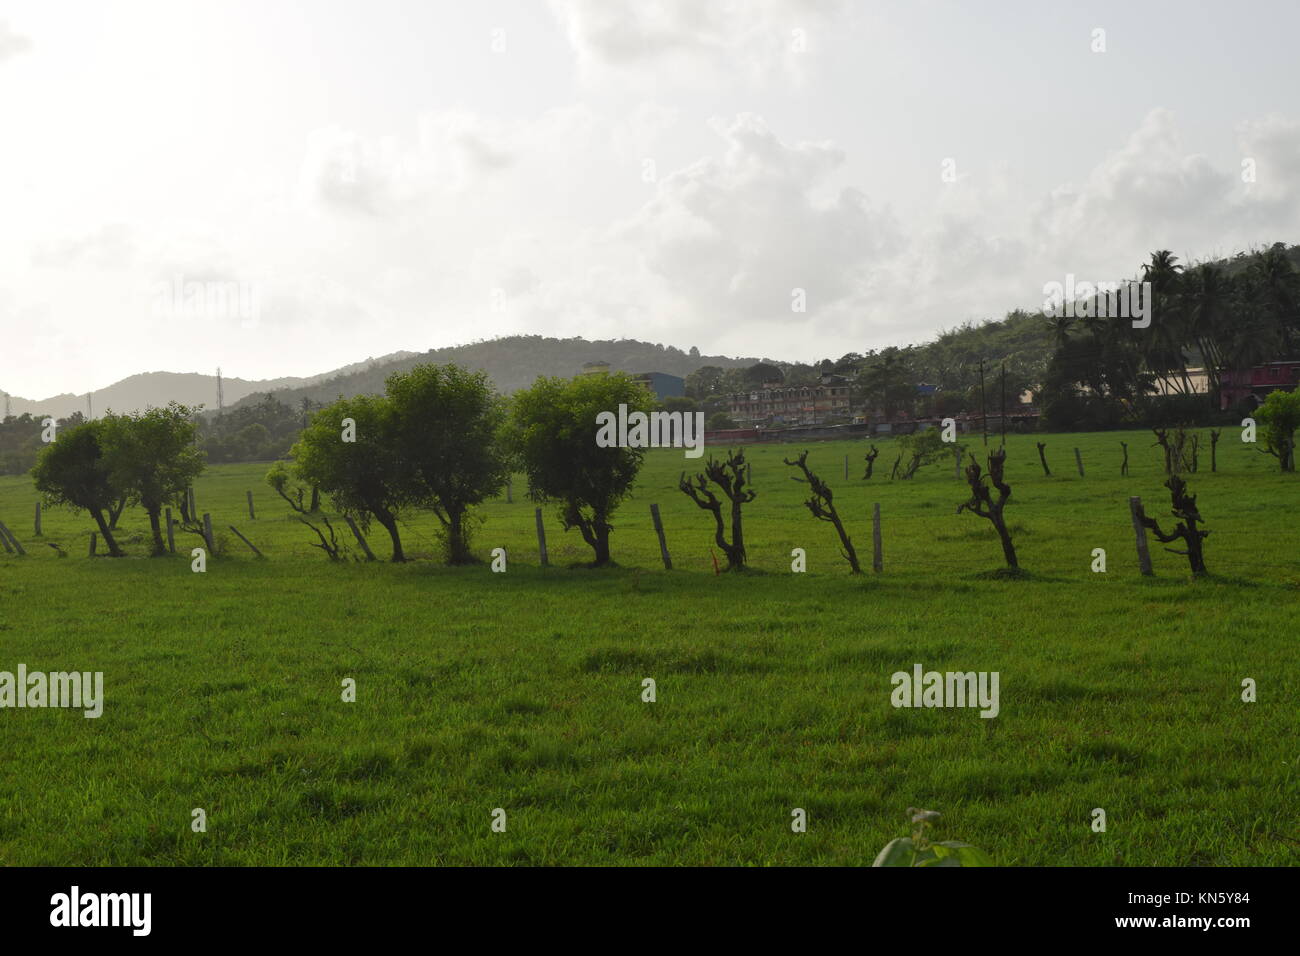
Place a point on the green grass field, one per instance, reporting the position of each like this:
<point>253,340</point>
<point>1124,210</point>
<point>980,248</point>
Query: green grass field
<point>522,690</point>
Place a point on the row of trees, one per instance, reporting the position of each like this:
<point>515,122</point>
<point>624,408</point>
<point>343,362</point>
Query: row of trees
<point>440,438</point>
<point>1217,316</point>
<point>101,466</point>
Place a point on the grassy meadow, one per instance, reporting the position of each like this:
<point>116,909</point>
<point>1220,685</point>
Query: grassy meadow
<point>522,690</point>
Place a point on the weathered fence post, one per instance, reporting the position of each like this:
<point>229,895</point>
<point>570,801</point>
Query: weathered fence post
<point>246,541</point>
<point>94,539</point>
<point>957,468</point>
<point>877,562</point>
<point>356,532</point>
<point>663,542</point>
<point>171,532</point>
<point>194,511</point>
<point>846,467</point>
<point>1140,531</point>
<point>1078,460</point>
<point>207,533</point>
<point>38,519</point>
<point>510,498</point>
<point>541,537</point>
<point>4,540</point>
<point>252,516</point>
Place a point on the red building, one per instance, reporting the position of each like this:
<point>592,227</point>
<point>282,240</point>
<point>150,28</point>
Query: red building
<point>1238,384</point>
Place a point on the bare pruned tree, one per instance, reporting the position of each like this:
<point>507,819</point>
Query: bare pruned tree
<point>729,475</point>
<point>1188,515</point>
<point>982,502</point>
<point>822,505</point>
<point>870,459</point>
<point>331,546</point>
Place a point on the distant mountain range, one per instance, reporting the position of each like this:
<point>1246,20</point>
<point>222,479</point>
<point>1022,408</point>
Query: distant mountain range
<point>511,363</point>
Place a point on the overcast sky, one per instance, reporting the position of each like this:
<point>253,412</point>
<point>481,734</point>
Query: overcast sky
<point>375,176</point>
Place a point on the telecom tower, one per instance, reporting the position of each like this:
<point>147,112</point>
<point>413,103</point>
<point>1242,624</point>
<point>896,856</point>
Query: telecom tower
<point>221,397</point>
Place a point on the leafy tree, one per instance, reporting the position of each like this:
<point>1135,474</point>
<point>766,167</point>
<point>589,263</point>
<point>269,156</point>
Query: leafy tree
<point>448,422</point>
<point>73,471</point>
<point>553,433</point>
<point>365,477</point>
<point>1280,416</point>
<point>720,421</point>
<point>153,460</point>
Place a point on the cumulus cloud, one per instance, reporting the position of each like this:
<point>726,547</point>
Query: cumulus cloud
<point>752,41</point>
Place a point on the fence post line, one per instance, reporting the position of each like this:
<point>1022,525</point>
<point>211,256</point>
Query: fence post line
<point>957,474</point>
<point>252,516</point>
<point>541,537</point>
<point>38,519</point>
<point>877,559</point>
<point>171,533</point>
<point>356,532</point>
<point>510,498</point>
<point>1140,531</point>
<point>207,533</point>
<point>1078,459</point>
<point>194,511</point>
<point>663,542</point>
<point>94,539</point>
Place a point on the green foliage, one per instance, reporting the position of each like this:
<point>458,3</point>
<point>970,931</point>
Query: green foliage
<point>553,434</point>
<point>366,477</point>
<point>448,422</point>
<point>917,850</point>
<point>1280,416</point>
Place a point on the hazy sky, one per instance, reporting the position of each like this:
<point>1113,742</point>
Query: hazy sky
<point>375,176</point>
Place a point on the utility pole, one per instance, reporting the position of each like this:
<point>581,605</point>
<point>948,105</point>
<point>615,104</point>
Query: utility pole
<point>90,408</point>
<point>1004,404</point>
<point>221,396</point>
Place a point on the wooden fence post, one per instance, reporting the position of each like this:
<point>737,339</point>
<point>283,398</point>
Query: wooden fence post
<point>4,540</point>
<point>38,519</point>
<point>171,532</point>
<point>958,468</point>
<point>1078,459</point>
<point>1140,531</point>
<point>846,467</point>
<point>94,539</point>
<point>246,541</point>
<point>207,533</point>
<point>877,562</point>
<point>663,542</point>
<point>541,537</point>
<point>252,516</point>
<point>510,499</point>
<point>194,512</point>
<point>356,532</point>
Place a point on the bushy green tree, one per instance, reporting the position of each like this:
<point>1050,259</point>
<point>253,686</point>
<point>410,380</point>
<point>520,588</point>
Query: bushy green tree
<point>1280,416</point>
<point>152,459</point>
<point>553,433</point>
<point>74,471</point>
<point>365,477</point>
<point>448,423</point>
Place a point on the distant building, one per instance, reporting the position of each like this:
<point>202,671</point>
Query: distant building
<point>775,404</point>
<point>1236,385</point>
<point>662,384</point>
